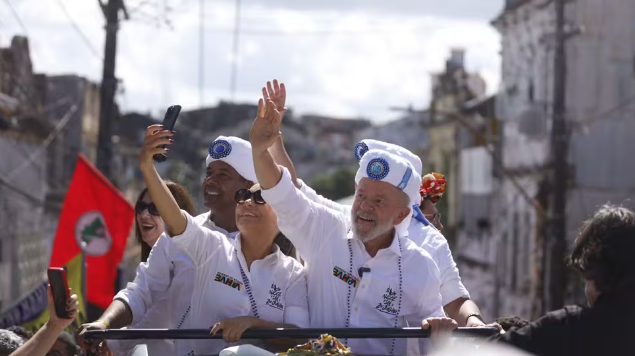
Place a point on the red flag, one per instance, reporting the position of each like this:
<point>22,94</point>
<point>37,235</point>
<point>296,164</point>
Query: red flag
<point>95,219</point>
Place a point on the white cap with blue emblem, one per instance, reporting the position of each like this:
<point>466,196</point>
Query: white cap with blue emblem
<point>387,167</point>
<point>365,145</point>
<point>234,151</point>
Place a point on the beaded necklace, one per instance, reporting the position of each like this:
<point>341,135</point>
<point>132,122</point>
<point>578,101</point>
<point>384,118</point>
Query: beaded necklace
<point>348,297</point>
<point>252,300</point>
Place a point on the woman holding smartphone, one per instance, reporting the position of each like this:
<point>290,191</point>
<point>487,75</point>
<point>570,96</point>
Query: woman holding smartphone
<point>148,229</point>
<point>240,284</point>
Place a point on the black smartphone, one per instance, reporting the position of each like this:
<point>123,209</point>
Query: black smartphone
<point>59,289</point>
<point>169,120</point>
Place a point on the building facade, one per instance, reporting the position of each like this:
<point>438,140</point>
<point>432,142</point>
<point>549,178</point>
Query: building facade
<point>24,244</point>
<point>600,91</point>
<point>451,90</point>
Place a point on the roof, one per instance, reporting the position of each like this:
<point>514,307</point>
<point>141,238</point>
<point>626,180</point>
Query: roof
<point>510,5</point>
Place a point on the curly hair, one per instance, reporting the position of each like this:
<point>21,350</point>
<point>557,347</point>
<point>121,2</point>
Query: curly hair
<point>9,342</point>
<point>605,247</point>
<point>20,331</point>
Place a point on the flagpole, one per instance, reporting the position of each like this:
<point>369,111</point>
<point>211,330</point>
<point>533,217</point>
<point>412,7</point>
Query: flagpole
<point>84,292</point>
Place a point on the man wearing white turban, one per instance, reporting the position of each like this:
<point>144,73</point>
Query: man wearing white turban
<point>455,297</point>
<point>370,276</point>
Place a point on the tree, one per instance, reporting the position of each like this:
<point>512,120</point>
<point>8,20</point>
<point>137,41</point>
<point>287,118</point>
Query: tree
<point>335,186</point>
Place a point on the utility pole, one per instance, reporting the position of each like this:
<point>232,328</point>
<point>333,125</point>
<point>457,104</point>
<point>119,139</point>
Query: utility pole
<point>559,145</point>
<point>108,85</point>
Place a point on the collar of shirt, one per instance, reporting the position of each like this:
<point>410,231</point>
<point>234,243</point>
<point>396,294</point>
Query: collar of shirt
<point>394,245</point>
<point>275,250</point>
<point>204,220</point>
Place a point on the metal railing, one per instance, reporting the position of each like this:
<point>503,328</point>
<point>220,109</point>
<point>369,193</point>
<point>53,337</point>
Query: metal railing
<point>308,333</point>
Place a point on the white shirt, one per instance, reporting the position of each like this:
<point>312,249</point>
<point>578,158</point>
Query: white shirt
<point>320,235</point>
<point>277,283</point>
<point>426,237</point>
<point>156,296</point>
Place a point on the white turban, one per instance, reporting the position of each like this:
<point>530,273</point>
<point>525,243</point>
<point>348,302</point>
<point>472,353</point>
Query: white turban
<point>234,151</point>
<point>387,167</point>
<point>368,144</point>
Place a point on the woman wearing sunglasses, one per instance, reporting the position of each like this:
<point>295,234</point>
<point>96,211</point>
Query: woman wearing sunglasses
<point>148,228</point>
<point>243,283</point>
<point>148,223</point>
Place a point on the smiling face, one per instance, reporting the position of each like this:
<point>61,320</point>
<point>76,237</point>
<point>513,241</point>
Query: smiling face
<point>150,226</point>
<point>220,185</point>
<point>377,208</point>
<point>255,218</point>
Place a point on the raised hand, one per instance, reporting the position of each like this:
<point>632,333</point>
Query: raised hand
<point>72,306</point>
<point>155,136</point>
<point>277,93</point>
<point>266,128</point>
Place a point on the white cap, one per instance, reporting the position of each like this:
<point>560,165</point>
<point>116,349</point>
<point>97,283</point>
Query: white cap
<point>387,167</point>
<point>234,151</point>
<point>369,144</point>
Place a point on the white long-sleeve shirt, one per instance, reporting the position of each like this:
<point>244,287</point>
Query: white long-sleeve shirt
<point>156,296</point>
<point>277,283</point>
<point>336,290</point>
<point>426,237</point>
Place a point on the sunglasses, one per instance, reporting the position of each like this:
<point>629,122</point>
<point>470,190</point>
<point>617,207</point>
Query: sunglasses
<point>245,194</point>
<point>141,206</point>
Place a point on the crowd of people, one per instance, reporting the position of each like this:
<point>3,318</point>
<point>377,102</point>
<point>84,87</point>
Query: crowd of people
<point>272,253</point>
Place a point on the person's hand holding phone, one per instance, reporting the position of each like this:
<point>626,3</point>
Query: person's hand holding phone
<point>72,306</point>
<point>156,137</point>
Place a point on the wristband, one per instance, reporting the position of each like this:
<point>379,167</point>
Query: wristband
<point>476,315</point>
<point>108,325</point>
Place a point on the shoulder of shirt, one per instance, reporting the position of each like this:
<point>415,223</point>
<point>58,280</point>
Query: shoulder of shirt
<point>201,218</point>
<point>290,263</point>
<point>426,236</point>
<point>411,249</point>
<point>569,312</point>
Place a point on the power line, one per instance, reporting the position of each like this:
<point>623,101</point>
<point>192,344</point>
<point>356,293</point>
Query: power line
<point>17,16</point>
<point>36,153</point>
<point>79,31</point>
<point>25,194</point>
<point>607,114</point>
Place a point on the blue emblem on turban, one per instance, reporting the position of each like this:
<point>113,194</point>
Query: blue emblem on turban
<point>377,169</point>
<point>360,149</point>
<point>220,149</point>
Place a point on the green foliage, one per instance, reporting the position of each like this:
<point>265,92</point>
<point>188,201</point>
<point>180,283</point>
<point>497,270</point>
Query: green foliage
<point>335,186</point>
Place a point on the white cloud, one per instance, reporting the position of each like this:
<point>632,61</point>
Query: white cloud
<point>345,63</point>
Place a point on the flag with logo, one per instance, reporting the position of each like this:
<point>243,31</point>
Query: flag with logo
<point>96,220</point>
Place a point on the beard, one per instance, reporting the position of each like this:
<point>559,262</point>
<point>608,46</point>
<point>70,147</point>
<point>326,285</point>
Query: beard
<point>369,235</point>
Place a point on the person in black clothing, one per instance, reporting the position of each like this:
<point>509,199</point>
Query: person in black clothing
<point>508,322</point>
<point>604,254</point>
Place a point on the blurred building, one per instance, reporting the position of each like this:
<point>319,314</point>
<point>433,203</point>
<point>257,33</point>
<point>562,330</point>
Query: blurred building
<point>451,89</point>
<point>24,244</point>
<point>600,102</point>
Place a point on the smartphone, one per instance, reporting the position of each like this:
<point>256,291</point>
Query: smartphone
<point>169,120</point>
<point>59,289</point>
